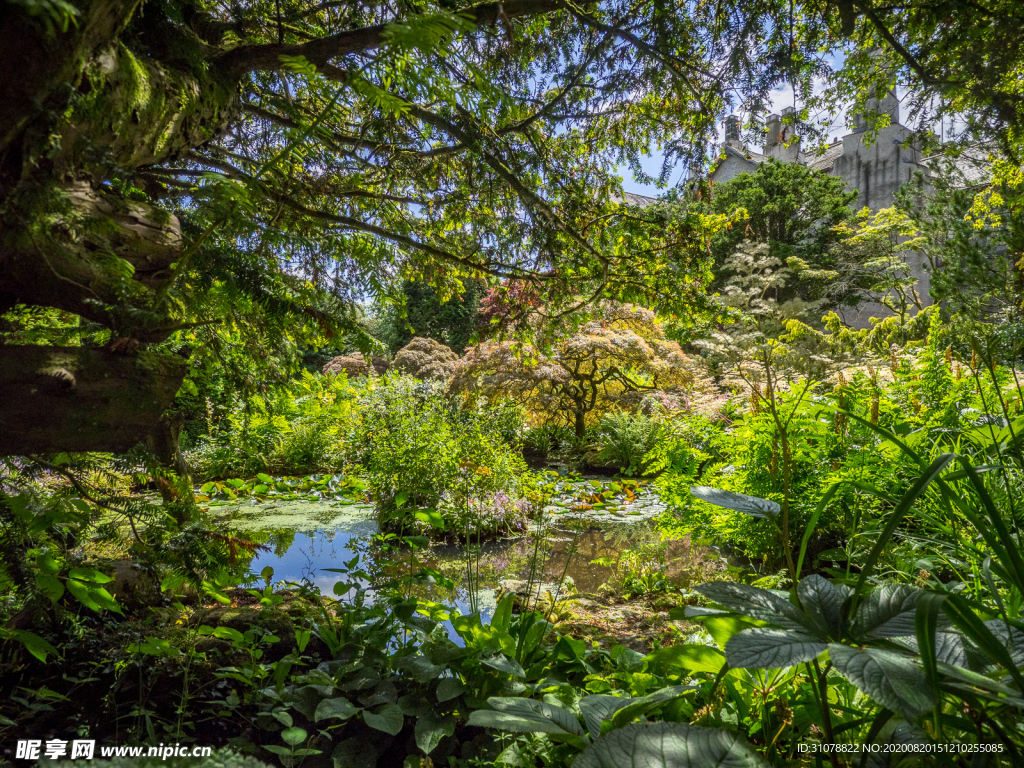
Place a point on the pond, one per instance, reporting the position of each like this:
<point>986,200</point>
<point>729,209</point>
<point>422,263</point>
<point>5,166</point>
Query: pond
<point>590,523</point>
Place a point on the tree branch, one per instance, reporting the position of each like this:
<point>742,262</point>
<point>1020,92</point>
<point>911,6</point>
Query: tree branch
<point>267,57</point>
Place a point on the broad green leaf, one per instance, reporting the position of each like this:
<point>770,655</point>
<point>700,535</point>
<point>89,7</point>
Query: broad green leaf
<point>529,716</point>
<point>669,745</point>
<point>599,707</point>
<point>90,574</point>
<point>430,729</point>
<point>646,704</point>
<point>757,603</point>
<point>224,633</point>
<point>82,594</point>
<point>887,611</point>
<point>762,648</point>
<point>420,668</point>
<point>50,585</point>
<point>503,663</point>
<point>104,599</point>
<point>448,688</point>
<point>284,718</point>
<point>431,517</point>
<point>388,718</point>
<point>949,649</point>
<point>293,736</point>
<point>338,708</point>
<point>1011,638</point>
<point>569,648</point>
<point>989,636</point>
<point>741,502</point>
<point>889,678</point>
<point>34,644</point>
<point>691,657</point>
<point>502,618</point>
<point>47,564</point>
<point>822,600</point>
<point>721,628</point>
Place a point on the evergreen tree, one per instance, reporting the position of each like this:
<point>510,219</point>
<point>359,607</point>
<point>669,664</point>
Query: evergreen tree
<point>793,210</point>
<point>452,322</point>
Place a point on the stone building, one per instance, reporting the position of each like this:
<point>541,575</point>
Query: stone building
<point>874,166</point>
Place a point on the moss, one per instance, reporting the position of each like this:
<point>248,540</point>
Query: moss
<point>141,111</point>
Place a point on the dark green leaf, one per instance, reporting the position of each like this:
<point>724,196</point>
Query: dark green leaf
<point>388,718</point>
<point>448,688</point>
<point>889,678</point>
<point>669,745</point>
<point>338,708</point>
<point>430,729</point>
<point>887,611</point>
<point>823,601</point>
<point>293,736</point>
<point>762,648</point>
<point>757,604</point>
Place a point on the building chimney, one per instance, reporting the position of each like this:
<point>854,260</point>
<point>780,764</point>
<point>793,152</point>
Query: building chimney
<point>888,104</point>
<point>774,125</point>
<point>732,130</point>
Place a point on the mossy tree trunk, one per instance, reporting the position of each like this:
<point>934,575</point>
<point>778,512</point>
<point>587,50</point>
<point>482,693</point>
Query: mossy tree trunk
<point>77,399</point>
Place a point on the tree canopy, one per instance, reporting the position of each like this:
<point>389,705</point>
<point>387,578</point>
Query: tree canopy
<point>173,166</point>
<point>792,209</point>
<point>610,361</point>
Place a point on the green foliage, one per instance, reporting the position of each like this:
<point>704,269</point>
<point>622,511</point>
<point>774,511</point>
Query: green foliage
<point>545,438</point>
<point>641,571</point>
<point>625,440</point>
<point>435,465</point>
<point>794,211</point>
<point>423,313</point>
<point>970,240</point>
<point>263,487</point>
<point>876,250</point>
<point>296,429</point>
<point>928,398</point>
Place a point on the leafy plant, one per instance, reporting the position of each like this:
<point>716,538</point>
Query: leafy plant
<point>433,465</point>
<point>602,733</point>
<point>626,439</point>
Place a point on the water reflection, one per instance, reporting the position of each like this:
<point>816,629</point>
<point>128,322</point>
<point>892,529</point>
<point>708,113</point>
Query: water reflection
<point>305,546</point>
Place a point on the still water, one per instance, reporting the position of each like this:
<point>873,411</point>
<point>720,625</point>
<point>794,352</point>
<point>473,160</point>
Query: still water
<point>305,538</point>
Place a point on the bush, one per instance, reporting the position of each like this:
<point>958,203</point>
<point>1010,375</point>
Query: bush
<point>426,359</point>
<point>547,438</point>
<point>626,438</point>
<point>297,429</point>
<point>431,464</point>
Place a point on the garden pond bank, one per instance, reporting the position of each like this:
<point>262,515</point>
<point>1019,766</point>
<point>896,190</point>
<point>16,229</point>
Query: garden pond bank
<point>583,548</point>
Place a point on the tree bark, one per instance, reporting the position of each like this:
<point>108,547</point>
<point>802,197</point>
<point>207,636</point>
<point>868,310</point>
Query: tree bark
<point>98,255</point>
<point>164,443</point>
<point>74,399</point>
<point>37,67</point>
